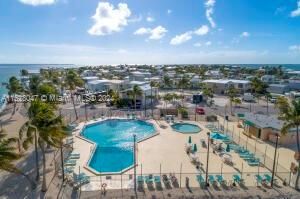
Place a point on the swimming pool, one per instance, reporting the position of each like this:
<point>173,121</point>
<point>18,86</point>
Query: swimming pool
<point>186,128</point>
<point>114,139</point>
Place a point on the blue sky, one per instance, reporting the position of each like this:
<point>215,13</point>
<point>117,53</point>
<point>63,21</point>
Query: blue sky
<point>149,31</point>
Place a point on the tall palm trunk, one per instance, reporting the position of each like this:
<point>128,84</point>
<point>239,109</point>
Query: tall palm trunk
<point>298,148</point>
<point>151,103</point>
<point>73,102</point>
<point>135,103</point>
<point>44,184</point>
<point>36,157</point>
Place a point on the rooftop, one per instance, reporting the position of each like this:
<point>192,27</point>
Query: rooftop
<point>226,81</point>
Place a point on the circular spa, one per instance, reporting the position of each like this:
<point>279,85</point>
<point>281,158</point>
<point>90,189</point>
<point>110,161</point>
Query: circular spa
<point>114,139</point>
<point>186,128</point>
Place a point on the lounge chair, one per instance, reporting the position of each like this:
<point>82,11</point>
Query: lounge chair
<point>237,179</point>
<point>220,179</point>
<point>81,179</point>
<point>173,179</point>
<point>157,179</point>
<point>259,180</point>
<point>74,156</point>
<point>254,162</point>
<point>211,179</point>
<point>140,179</point>
<point>268,178</point>
<point>68,170</point>
<point>200,180</point>
<point>70,163</point>
<point>149,179</point>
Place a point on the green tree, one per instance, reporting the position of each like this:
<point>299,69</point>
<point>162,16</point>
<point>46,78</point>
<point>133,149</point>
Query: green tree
<point>291,117</point>
<point>24,72</point>
<point>208,92</point>
<point>167,82</point>
<point>8,155</point>
<point>14,87</point>
<point>73,80</point>
<point>155,85</point>
<point>258,87</point>
<point>49,129</point>
<point>34,83</point>
<point>134,93</point>
<point>232,94</point>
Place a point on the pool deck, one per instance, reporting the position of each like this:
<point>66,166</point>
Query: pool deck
<point>164,153</point>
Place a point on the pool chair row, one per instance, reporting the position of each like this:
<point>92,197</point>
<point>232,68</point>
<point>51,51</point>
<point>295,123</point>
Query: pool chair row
<point>158,181</point>
<point>245,155</point>
<point>216,180</point>
<point>264,179</point>
<point>71,160</point>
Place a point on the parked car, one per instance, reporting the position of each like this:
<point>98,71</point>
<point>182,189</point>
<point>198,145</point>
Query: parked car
<point>273,100</point>
<point>200,111</point>
<point>248,97</point>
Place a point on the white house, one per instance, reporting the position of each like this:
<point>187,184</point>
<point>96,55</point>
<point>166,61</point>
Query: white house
<point>105,85</point>
<point>220,86</point>
<point>139,76</point>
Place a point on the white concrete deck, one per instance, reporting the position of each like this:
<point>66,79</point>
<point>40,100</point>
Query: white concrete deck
<point>163,153</point>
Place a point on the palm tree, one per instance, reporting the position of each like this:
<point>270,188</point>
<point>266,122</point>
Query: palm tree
<point>237,101</point>
<point>153,84</point>
<point>14,87</point>
<point>73,80</point>
<point>167,82</point>
<point>258,87</point>
<point>134,93</point>
<point>291,117</point>
<point>49,129</point>
<point>28,134</point>
<point>8,155</point>
<point>232,93</point>
<point>208,92</point>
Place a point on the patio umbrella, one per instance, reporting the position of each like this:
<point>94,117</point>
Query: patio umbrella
<point>190,140</point>
<point>227,148</point>
<point>195,148</point>
<point>217,136</point>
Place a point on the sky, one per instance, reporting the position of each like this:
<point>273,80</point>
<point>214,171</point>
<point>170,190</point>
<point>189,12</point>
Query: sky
<point>92,32</point>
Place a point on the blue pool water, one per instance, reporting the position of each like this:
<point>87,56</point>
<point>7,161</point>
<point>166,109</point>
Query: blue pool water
<point>114,139</point>
<point>186,128</point>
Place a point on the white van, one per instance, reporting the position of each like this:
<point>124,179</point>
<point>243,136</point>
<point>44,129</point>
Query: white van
<point>248,97</point>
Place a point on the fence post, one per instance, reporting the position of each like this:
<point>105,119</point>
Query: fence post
<point>180,175</point>
<point>265,155</point>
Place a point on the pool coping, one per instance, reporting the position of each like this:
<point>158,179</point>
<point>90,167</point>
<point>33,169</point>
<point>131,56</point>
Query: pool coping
<point>186,133</point>
<point>95,145</point>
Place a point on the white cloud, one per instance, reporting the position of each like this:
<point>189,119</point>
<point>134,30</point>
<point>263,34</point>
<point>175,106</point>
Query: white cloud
<point>210,4</point>
<point>198,44</point>
<point>180,39</point>
<point>208,43</point>
<point>203,30</point>
<point>108,19</point>
<point>295,48</point>
<point>155,33</point>
<point>296,13</point>
<point>38,2</point>
<point>169,11</point>
<point>150,19</point>
<point>142,31</point>
<point>245,34</point>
